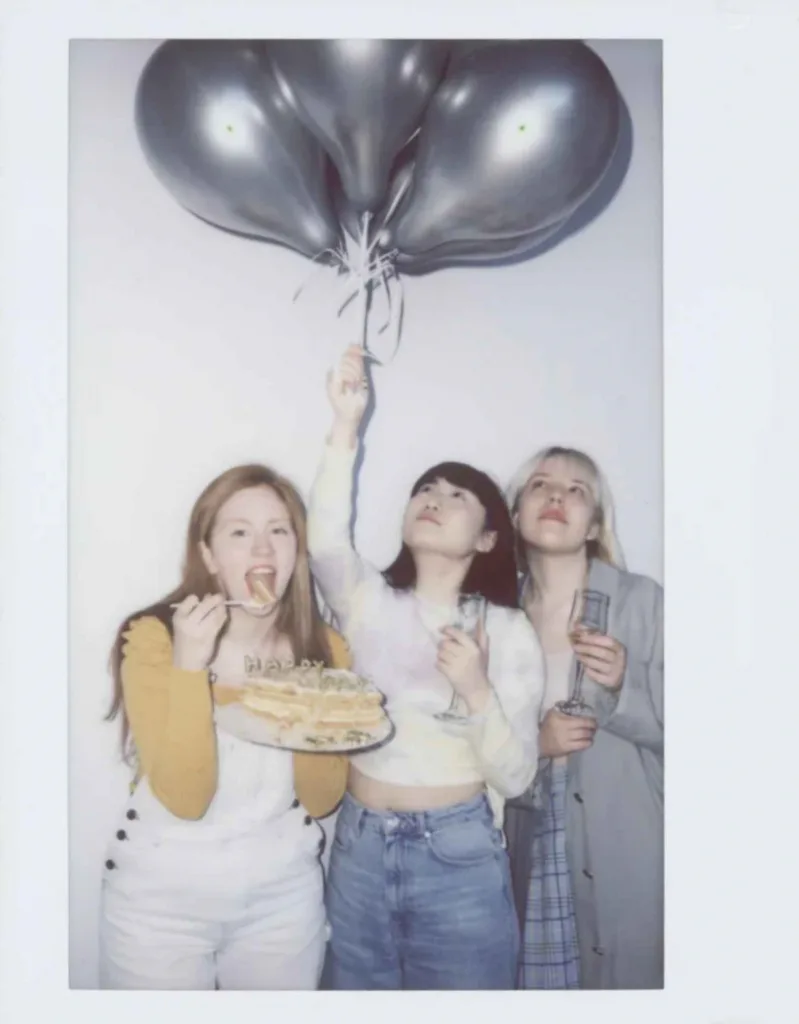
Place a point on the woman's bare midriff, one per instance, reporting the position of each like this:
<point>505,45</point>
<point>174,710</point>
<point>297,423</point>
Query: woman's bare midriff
<point>384,796</point>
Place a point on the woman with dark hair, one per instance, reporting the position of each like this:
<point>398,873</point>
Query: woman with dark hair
<point>212,877</point>
<point>489,573</point>
<point>419,893</point>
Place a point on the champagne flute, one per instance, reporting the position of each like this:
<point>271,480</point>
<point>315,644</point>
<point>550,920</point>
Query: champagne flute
<point>589,614</point>
<point>470,614</point>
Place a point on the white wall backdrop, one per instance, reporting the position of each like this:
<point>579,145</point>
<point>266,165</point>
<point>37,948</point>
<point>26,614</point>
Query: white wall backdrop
<point>188,356</point>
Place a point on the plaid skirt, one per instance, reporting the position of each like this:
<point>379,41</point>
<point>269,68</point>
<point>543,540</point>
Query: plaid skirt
<point>550,955</point>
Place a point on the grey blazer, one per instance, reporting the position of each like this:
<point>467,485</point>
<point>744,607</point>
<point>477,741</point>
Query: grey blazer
<point>614,809</point>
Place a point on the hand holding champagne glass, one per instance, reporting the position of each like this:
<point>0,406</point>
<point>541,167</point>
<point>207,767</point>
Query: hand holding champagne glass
<point>588,621</point>
<point>470,619</point>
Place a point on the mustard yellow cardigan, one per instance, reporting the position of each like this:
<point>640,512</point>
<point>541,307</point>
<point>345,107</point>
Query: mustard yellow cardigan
<point>171,717</point>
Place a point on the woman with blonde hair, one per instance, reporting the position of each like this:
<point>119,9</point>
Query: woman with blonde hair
<point>586,840</point>
<point>212,878</point>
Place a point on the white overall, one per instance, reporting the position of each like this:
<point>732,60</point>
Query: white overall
<point>233,901</point>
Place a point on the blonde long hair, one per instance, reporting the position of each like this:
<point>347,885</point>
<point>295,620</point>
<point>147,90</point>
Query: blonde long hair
<point>605,547</point>
<point>298,617</point>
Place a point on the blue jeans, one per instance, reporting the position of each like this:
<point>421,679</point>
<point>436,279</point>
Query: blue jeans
<point>421,900</point>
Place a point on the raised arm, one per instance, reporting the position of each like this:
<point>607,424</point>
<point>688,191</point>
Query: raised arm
<point>337,567</point>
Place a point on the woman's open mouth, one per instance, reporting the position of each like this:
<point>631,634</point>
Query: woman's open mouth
<point>261,584</point>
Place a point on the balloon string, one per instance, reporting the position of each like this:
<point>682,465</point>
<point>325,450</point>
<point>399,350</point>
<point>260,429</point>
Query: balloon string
<point>365,272</point>
<point>363,316</point>
<point>365,281</point>
<point>395,313</point>
<point>390,311</point>
<point>395,203</point>
<point>389,214</point>
<point>338,258</point>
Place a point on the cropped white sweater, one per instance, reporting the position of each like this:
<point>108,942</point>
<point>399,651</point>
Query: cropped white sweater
<point>393,638</point>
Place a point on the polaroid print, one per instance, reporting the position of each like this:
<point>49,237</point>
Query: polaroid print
<point>483,218</point>
<point>165,321</point>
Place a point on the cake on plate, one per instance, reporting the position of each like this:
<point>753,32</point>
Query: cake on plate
<point>332,705</point>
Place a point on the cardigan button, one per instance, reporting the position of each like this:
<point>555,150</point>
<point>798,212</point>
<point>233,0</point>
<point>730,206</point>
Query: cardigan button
<point>295,803</point>
<point>587,873</point>
<point>308,819</point>
<point>131,815</point>
<point>110,865</point>
<point>598,950</point>
<point>122,834</point>
<point>578,798</point>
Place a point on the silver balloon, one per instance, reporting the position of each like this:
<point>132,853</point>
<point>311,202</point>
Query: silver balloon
<point>517,136</point>
<point>219,135</point>
<point>363,99</point>
<point>460,47</point>
<point>348,216</point>
<point>400,182</point>
<point>449,254</point>
<point>460,254</point>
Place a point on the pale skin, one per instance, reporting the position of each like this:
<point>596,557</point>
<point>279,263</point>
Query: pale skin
<point>556,518</point>
<point>252,530</point>
<point>444,529</point>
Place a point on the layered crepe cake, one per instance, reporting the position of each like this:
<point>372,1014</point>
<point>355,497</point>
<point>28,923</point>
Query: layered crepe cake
<point>329,706</point>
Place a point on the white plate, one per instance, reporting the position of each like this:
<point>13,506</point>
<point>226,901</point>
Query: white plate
<point>239,721</point>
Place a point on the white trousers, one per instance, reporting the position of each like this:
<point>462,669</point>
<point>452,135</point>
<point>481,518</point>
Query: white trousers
<point>219,914</point>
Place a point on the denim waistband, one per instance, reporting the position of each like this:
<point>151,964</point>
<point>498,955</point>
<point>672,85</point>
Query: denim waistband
<point>414,823</point>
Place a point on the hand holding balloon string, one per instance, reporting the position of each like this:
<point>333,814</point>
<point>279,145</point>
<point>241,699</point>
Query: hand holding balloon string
<point>348,392</point>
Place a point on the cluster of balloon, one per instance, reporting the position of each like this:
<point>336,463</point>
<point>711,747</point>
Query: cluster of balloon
<point>381,157</point>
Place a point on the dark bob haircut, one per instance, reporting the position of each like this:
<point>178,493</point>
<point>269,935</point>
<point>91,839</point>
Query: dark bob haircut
<point>492,574</point>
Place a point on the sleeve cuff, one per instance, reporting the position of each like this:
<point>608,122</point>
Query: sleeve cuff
<point>184,677</point>
<point>479,718</point>
<point>604,701</point>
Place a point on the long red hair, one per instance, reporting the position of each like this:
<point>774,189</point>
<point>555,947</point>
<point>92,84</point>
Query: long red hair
<point>298,617</point>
